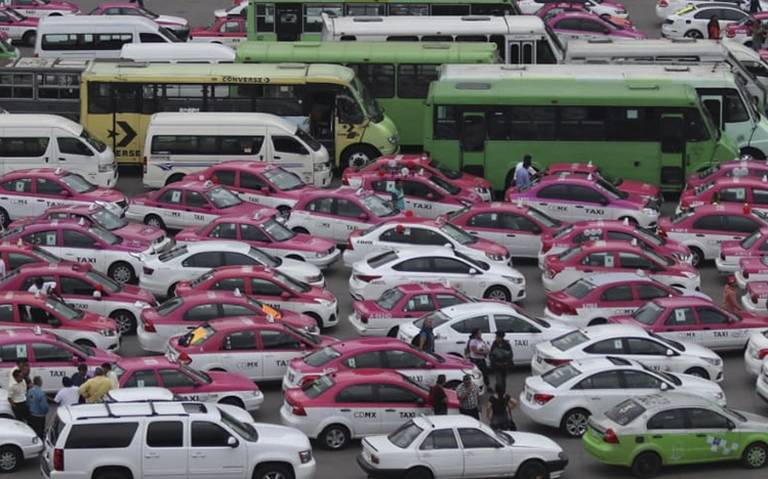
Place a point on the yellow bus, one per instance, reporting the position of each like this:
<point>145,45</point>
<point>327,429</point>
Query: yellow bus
<point>329,101</point>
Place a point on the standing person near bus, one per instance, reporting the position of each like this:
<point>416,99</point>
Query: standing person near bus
<point>523,173</point>
<point>758,35</point>
<point>713,28</point>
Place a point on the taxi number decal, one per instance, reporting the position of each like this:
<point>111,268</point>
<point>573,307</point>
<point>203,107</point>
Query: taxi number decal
<point>365,415</point>
<point>175,213</point>
<point>365,242</point>
<point>192,397</point>
<point>78,305</point>
<point>85,259</point>
<point>248,365</point>
<point>22,201</point>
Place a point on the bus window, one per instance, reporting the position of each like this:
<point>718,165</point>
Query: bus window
<point>437,38</point>
<point>413,80</point>
<point>349,112</point>
<point>16,85</point>
<point>58,85</point>
<point>544,53</point>
<point>581,123</point>
<point>445,127</point>
<point>265,18</point>
<point>313,22</point>
<point>472,38</point>
<point>288,22</point>
<point>531,122</point>
<point>379,78</point>
<point>672,140</point>
<point>528,53</point>
<point>450,9</point>
<point>402,38</point>
<point>714,107</point>
<point>513,53</point>
<point>179,97</point>
<point>366,10</point>
<point>499,41</point>
<point>473,132</point>
<point>348,38</point>
<point>406,9</point>
<point>493,9</point>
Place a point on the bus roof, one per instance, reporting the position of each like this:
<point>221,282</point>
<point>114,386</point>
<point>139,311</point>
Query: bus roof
<point>436,25</point>
<point>656,47</point>
<point>407,2</point>
<point>224,72</point>
<point>366,52</point>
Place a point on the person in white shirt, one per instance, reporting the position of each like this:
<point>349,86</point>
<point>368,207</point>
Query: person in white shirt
<point>42,287</point>
<point>477,351</point>
<point>17,396</point>
<point>67,395</point>
<point>111,375</point>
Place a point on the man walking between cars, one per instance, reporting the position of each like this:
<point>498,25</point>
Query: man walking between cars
<point>713,28</point>
<point>17,396</point>
<point>469,397</point>
<point>523,173</point>
<point>730,296</point>
<point>110,374</point>
<point>38,406</point>
<point>96,388</point>
<point>426,337</point>
<point>437,397</point>
<point>502,359</point>
<point>758,36</point>
<point>477,351</point>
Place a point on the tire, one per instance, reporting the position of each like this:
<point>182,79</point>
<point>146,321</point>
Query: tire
<point>693,34</point>
<point>698,372</point>
<point>10,458</point>
<point>358,156</point>
<point>176,177</point>
<point>111,474</point>
<point>532,469</point>
<point>273,471</point>
<point>646,465</point>
<point>85,342</point>
<point>597,321</point>
<point>300,230</point>
<point>154,220</point>
<point>233,401</point>
<point>317,319</point>
<point>418,473</point>
<point>393,332</point>
<point>498,293</point>
<point>335,437</point>
<point>754,153</point>
<point>755,456</point>
<point>5,218</point>
<point>122,272</point>
<point>574,422</point>
<point>29,38</point>
<point>126,321</point>
<point>697,256</point>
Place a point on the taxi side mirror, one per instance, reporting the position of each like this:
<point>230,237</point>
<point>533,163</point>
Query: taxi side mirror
<point>264,190</point>
<point>448,245</point>
<point>363,216</point>
<point>472,271</point>
<point>430,196</point>
<point>65,193</point>
<point>97,295</point>
<point>232,442</point>
<point>670,353</point>
<point>664,386</point>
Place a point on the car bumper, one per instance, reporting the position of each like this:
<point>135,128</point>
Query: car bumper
<point>154,285</point>
<point>377,473</point>
<point>556,468</point>
<point>291,421</point>
<point>322,179</point>
<point>550,284</point>
<point>726,266</point>
<point>107,180</point>
<point>540,415</point>
<point>253,402</point>
<point>305,471</point>
<point>741,281</point>
<point>350,257</point>
<point>325,261</point>
<point>752,364</point>
<point>151,342</point>
<point>748,305</point>
<point>363,329</point>
<point>539,368</point>
<point>761,388</point>
<point>603,451</point>
<point>33,450</point>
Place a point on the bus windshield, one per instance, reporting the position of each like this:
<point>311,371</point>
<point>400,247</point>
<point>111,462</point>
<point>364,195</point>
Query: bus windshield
<point>372,109</point>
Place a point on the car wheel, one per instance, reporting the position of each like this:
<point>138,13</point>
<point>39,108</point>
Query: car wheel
<point>29,38</point>
<point>697,256</point>
<point>273,471</point>
<point>597,321</point>
<point>110,473</point>
<point>174,178</point>
<point>575,422</point>
<point>300,230</point>
<point>335,437</point>
<point>755,456</point>
<point>126,321</point>
<point>233,401</point>
<point>418,473</point>
<point>358,156</point>
<point>693,34</point>
<point>122,273</point>
<point>85,342</point>
<point>154,221</point>
<point>5,220</point>
<point>499,293</point>
<point>532,469</point>
<point>317,319</point>
<point>10,458</point>
<point>646,465</point>
<point>698,372</point>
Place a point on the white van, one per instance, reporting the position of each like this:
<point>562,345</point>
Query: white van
<point>177,53</point>
<point>51,141</point>
<point>181,143</point>
<point>95,36</point>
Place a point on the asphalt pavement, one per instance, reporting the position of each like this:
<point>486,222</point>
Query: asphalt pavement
<point>739,388</point>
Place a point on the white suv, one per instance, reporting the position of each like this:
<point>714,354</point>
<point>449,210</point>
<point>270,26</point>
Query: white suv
<point>169,439</point>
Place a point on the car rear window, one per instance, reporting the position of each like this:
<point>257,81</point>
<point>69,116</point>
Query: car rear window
<point>174,253</point>
<point>570,253</point>
<point>648,313</point>
<point>438,318</point>
<point>321,357</point>
<point>405,435</point>
<point>560,375</point>
<point>197,336</point>
<point>569,340</point>
<point>317,387</point>
<point>382,259</point>
<point>563,232</point>
<point>625,412</point>
<point>579,289</point>
<point>101,436</point>
<point>390,298</point>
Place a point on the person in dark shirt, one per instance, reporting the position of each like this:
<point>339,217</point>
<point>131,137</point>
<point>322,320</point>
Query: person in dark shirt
<point>81,375</point>
<point>437,397</point>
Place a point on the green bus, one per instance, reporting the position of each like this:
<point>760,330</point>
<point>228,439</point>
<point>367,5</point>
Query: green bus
<point>398,78</point>
<point>292,20</point>
<point>657,132</point>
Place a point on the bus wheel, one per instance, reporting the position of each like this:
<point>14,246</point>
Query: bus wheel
<point>358,155</point>
<point>29,38</point>
<point>756,154</point>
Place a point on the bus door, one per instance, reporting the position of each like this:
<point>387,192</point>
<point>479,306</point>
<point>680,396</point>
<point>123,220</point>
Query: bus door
<point>288,19</point>
<point>520,52</point>
<point>673,154</point>
<point>472,143</point>
<point>125,131</point>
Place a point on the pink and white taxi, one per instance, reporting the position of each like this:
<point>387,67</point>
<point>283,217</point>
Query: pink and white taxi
<point>381,353</point>
<point>696,320</point>
<point>262,183</point>
<point>424,234</point>
<point>756,352</point>
<point>560,270</point>
<point>43,8</point>
<point>230,31</point>
<point>426,194</point>
<point>594,298</point>
<point>257,348</point>
<point>188,383</point>
<point>345,405</point>
<point>610,230</point>
<point>20,253</point>
<point>705,228</point>
<point>631,187</point>
<point>731,252</point>
<point>755,298</point>
<point>271,287</point>
<point>727,169</point>
<point>751,269</point>
<point>86,289</point>
<point>334,214</point>
<point>18,27</point>
<point>574,198</point>
<point>179,314</point>
<point>352,176</point>
<point>266,233</point>
<point>20,310</point>
<point>79,242</point>
<point>28,193</point>
<point>50,356</point>
<point>401,304</point>
<point>189,203</point>
<point>519,228</point>
<point>739,189</point>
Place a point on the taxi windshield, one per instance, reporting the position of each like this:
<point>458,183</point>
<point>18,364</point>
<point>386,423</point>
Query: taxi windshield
<point>569,340</point>
<point>404,435</point>
<point>283,180</point>
<point>293,284</point>
<point>197,336</point>
<point>321,357</point>
<point>474,262</point>
<point>243,429</point>
<point>64,310</point>
<point>735,413</point>
<point>317,387</point>
<point>678,217</point>
<point>77,183</point>
<point>563,232</point>
<point>672,344</point>
<point>437,317</point>
<point>454,190</point>
<point>201,279</point>
<point>541,217</point>
<point>625,412</point>
<point>222,198</point>
<point>278,231</point>
<point>311,338</point>
<point>14,13</point>
<point>378,207</point>
<point>458,235</point>
<point>104,235</point>
<point>579,288</point>
<point>107,284</point>
<point>108,220</point>
<point>389,298</point>
<point>264,258</point>
<point>648,313</point>
<point>750,240</point>
<point>560,375</point>
<point>447,172</point>
<point>199,375</point>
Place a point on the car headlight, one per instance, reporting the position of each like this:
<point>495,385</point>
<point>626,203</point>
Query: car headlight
<point>320,254</point>
<point>256,393</point>
<point>141,305</point>
<point>35,440</point>
<point>713,361</point>
<point>321,166</point>
<point>106,168</point>
<point>393,140</point>
<point>305,456</point>
<point>514,279</point>
<point>719,395</point>
<point>324,302</point>
<point>495,257</point>
<point>107,332</point>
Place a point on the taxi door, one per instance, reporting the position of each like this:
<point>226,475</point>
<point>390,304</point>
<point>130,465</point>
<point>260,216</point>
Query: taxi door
<point>399,405</point>
<point>197,210</point>
<point>350,216</point>
<point>279,347</point>
<point>521,334</point>
<point>171,208</point>
<point>17,198</point>
<point>258,238</point>
<point>668,432</point>
<point>440,451</point>
<point>320,219</point>
<point>79,247</point>
<point>358,406</point>
<point>650,352</point>
<point>712,438</point>
<point>424,200</point>
<point>617,300</point>
<point>183,385</point>
<point>52,363</point>
<point>411,365</point>
<point>240,353</point>
<point>79,294</point>
<point>681,325</point>
<point>719,331</point>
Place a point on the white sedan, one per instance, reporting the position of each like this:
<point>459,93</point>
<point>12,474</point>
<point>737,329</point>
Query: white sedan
<point>452,326</point>
<point>459,446</point>
<point>17,443</point>
<point>161,273</point>
<point>379,272</point>
<point>691,21</point>
<point>566,396</point>
<point>628,342</point>
<point>755,352</point>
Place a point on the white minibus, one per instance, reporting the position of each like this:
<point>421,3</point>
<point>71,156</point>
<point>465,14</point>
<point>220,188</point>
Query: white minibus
<point>177,53</point>
<point>182,143</point>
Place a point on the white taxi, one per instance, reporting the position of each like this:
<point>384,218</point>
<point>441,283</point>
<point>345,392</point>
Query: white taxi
<point>379,272</point>
<point>452,326</point>
<point>628,342</point>
<point>566,396</point>
<point>423,234</point>
<point>756,351</point>
<point>161,273</point>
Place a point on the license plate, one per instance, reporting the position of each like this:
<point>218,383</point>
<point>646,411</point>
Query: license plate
<point>290,377</point>
<point>528,396</point>
<point>538,359</point>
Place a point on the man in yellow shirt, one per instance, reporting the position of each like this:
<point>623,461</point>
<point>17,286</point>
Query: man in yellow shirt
<point>94,389</point>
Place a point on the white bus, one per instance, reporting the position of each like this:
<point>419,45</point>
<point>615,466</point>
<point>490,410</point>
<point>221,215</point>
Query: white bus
<point>177,53</point>
<point>729,104</point>
<point>521,39</point>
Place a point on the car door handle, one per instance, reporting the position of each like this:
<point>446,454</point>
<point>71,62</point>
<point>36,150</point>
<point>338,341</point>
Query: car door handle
<point>511,236</point>
<point>461,342</point>
<point>197,455</point>
<point>389,410</point>
<point>596,398</point>
<point>151,455</point>
<point>699,235</point>
<point>588,270</point>
<point>346,410</point>
<point>657,436</point>
<point>278,157</point>
<point>579,207</point>
<point>40,201</point>
<point>62,159</point>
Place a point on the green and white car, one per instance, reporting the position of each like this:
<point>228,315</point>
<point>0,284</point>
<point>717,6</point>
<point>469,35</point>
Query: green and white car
<point>648,432</point>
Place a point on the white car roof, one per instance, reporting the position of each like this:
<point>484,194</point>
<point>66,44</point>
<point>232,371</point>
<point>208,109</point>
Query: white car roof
<point>140,394</point>
<point>608,278</point>
<point>603,363</point>
<point>217,245</point>
<point>488,307</point>
<point>451,420</point>
<point>100,411</point>
<point>603,331</point>
<point>664,400</point>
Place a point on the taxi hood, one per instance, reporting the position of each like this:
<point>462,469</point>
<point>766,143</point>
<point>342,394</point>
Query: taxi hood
<point>531,440</point>
<point>274,434</point>
<point>630,321</point>
<point>487,246</point>
<point>139,232</point>
<point>224,381</point>
<point>313,243</point>
<point>106,194</point>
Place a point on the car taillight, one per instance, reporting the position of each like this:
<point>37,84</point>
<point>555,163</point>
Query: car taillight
<point>663,3</point>
<point>58,459</point>
<point>366,277</point>
<point>184,359</point>
<point>610,437</point>
<point>746,274</point>
<point>364,318</point>
<point>345,180</point>
<point>762,353</point>
<point>149,326</point>
<point>542,399</point>
<point>754,298</point>
<point>147,271</point>
<point>374,459</point>
<point>556,362</point>
<point>298,411</point>
<point>730,33</point>
<point>722,256</point>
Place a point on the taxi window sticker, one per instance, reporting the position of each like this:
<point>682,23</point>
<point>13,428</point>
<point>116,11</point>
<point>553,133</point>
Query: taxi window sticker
<point>609,261</point>
<point>423,299</point>
<point>680,316</point>
<point>632,114</point>
<point>176,196</point>
<point>739,193</point>
<point>494,216</point>
<point>617,343</point>
<point>19,186</point>
<point>21,351</point>
<point>50,238</point>
<point>140,383</point>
